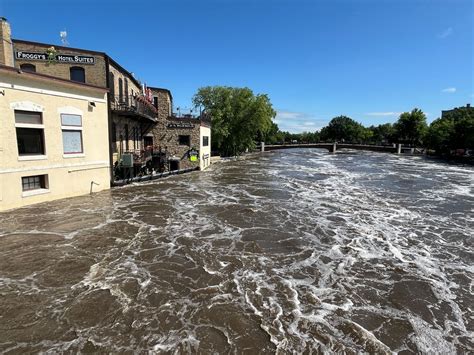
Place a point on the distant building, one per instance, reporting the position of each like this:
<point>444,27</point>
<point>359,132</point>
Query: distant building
<point>468,106</point>
<point>52,138</point>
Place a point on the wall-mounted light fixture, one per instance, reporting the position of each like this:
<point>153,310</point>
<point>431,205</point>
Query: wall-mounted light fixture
<point>92,103</point>
<point>2,92</point>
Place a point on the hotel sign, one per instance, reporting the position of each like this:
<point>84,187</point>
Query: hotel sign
<point>180,125</point>
<point>60,58</point>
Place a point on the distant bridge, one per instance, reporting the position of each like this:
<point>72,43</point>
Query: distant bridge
<point>332,147</point>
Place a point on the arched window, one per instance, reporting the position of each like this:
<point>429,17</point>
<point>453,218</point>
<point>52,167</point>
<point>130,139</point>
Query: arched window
<point>120,89</point>
<point>126,90</point>
<point>112,84</point>
<point>78,74</point>
<point>28,67</point>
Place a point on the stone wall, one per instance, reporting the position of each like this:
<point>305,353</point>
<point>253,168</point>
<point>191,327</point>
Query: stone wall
<point>166,139</point>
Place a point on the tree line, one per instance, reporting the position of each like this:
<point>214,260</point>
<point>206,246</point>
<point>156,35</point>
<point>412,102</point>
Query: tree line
<point>240,119</point>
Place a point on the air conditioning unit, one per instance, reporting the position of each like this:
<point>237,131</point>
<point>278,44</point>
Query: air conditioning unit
<point>127,160</point>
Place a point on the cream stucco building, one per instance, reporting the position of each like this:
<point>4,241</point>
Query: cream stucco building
<point>53,138</point>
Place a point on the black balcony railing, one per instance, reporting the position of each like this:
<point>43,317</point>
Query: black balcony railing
<point>136,105</point>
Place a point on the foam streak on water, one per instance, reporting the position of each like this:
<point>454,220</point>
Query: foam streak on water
<point>289,252</point>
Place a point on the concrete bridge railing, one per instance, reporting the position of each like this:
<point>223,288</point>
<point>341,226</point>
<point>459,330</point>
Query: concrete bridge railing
<point>333,147</point>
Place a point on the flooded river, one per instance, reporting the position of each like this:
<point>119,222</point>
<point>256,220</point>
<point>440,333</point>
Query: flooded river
<point>296,251</point>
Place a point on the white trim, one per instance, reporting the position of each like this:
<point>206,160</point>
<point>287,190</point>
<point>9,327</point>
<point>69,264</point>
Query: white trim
<point>50,92</point>
<point>34,192</point>
<point>26,106</point>
<point>74,155</point>
<point>29,125</point>
<point>70,110</point>
<point>71,128</point>
<point>31,157</point>
<point>104,163</point>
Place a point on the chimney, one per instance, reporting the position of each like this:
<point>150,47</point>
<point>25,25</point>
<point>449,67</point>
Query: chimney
<point>6,46</point>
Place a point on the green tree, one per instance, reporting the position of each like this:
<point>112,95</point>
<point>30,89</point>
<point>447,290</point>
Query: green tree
<point>343,128</point>
<point>453,131</point>
<point>238,117</point>
<point>411,127</point>
<point>384,133</point>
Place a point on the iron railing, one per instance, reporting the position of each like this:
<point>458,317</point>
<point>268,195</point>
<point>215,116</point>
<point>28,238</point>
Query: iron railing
<point>134,105</point>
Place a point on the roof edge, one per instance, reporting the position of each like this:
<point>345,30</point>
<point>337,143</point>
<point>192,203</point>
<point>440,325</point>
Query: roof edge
<point>51,78</point>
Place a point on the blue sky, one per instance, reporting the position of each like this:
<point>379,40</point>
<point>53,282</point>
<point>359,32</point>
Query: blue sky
<point>367,59</point>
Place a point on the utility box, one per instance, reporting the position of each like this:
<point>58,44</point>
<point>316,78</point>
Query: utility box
<point>127,160</point>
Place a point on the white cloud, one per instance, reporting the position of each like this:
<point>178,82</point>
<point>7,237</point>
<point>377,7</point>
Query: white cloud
<point>449,90</point>
<point>446,33</point>
<point>288,115</point>
<point>297,122</point>
<point>384,114</point>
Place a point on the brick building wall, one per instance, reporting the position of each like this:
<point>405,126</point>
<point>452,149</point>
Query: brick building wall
<point>6,48</point>
<point>95,74</point>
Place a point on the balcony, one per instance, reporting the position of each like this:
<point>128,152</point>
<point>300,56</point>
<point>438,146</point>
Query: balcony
<point>203,116</point>
<point>137,106</point>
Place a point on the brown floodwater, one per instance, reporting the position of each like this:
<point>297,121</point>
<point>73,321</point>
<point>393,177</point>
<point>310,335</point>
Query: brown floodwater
<point>296,251</point>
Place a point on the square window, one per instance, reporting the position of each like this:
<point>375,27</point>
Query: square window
<point>71,120</point>
<point>34,182</point>
<point>72,142</point>
<point>29,133</point>
<point>30,141</point>
<point>185,140</point>
<point>27,117</point>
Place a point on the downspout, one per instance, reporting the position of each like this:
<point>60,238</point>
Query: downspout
<point>109,119</point>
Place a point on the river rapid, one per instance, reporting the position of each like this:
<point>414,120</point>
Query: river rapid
<point>295,251</point>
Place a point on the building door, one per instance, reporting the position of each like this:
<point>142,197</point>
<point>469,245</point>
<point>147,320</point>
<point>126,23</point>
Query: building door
<point>174,165</point>
<point>148,141</point>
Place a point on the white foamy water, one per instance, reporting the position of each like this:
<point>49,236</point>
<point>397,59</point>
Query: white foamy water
<point>290,252</point>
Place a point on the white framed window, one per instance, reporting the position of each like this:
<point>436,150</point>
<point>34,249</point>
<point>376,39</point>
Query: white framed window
<point>71,126</point>
<point>29,134</point>
<point>34,185</point>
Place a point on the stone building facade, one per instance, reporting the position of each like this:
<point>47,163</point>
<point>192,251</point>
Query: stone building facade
<point>178,141</point>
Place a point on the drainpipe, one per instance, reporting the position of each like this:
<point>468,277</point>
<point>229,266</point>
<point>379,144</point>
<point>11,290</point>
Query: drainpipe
<point>109,120</point>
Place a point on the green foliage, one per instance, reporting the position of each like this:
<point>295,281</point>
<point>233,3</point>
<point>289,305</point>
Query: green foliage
<point>343,128</point>
<point>382,134</point>
<point>238,117</point>
<point>453,131</point>
<point>411,127</point>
